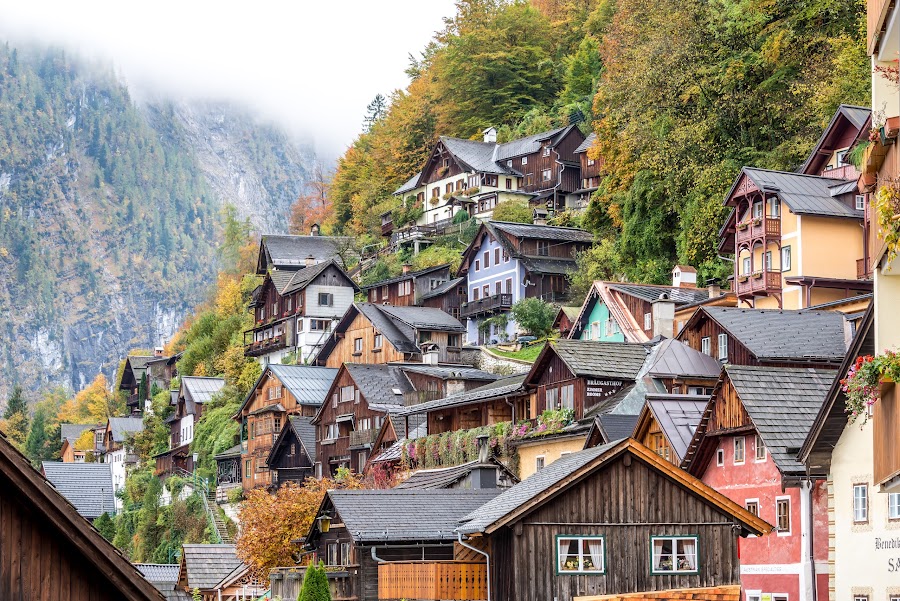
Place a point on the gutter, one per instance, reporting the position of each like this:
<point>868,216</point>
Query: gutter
<point>487,558</point>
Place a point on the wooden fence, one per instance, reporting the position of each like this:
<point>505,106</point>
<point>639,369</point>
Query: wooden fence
<point>432,580</point>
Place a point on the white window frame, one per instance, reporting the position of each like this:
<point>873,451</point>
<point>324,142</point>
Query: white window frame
<point>720,457</point>
<point>746,266</point>
<point>723,346</point>
<point>790,521</point>
<point>674,540</point>
<point>894,506</point>
<point>785,259</point>
<point>648,321</point>
<point>705,346</point>
<point>540,462</point>
<point>757,445</point>
<point>743,446</point>
<point>524,160</point>
<point>581,556</point>
<point>861,503</point>
<point>860,202</point>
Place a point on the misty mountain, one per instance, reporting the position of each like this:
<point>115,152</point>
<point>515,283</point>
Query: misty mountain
<point>111,210</point>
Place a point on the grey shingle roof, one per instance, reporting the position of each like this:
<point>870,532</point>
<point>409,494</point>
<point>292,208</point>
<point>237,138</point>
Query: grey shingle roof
<point>306,432</point>
<point>513,498</point>
<point>528,144</point>
<point>87,486</point>
<point>71,432</point>
<point>159,572</point>
<point>410,184</point>
<point>423,318</point>
<point>445,477</point>
<point>782,403</point>
<point>476,156</point>
<point>543,232</point>
<point>497,388</point>
<point>120,426</point>
<point>556,266</point>
<point>586,145</point>
<point>617,426</point>
<point>406,514</point>
<point>234,451</point>
<point>401,336</point>
<point>678,417</point>
<point>377,383</point>
<point>602,359</point>
<point>676,359</point>
<point>308,384</point>
<point>774,334</point>
<point>406,276</point>
<point>449,372</point>
<point>291,251</point>
<point>803,194</point>
<point>649,293</point>
<point>200,389</point>
<point>443,288</point>
<point>207,565</point>
<point>856,115</point>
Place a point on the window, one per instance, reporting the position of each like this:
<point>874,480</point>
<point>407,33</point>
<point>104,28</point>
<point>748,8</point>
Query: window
<point>474,294</point>
<point>757,210</point>
<point>509,163</point>
<point>543,248</point>
<point>759,449</point>
<point>860,202</point>
<point>448,188</point>
<point>673,554</point>
<point>498,287</point>
<point>320,325</point>
<point>590,162</point>
<point>894,506</point>
<point>508,184</point>
<point>247,468</point>
<point>551,397</point>
<point>539,463</point>
<point>379,340</point>
<point>753,507</point>
<point>580,555</point>
<point>720,457</point>
<point>347,393</point>
<point>288,303</point>
<point>860,503</point>
<point>505,257</point>
<point>326,299</point>
<point>452,339</point>
<point>768,261</point>
<point>524,160</point>
<point>546,151</point>
<point>546,175</point>
<point>436,191</point>
<point>509,287</point>
<point>293,450</point>
<point>331,432</point>
<point>704,346</point>
<point>496,256</point>
<point>774,207</point>
<point>783,515</point>
<point>746,266</point>
<point>723,347</point>
<point>567,397</point>
<point>612,327</point>
<point>357,346</point>
<point>487,259</point>
<point>786,258</point>
<point>648,321</point>
<point>332,559</point>
<point>739,449</point>
<point>477,265</point>
<point>486,290</point>
<point>860,597</point>
<point>345,554</point>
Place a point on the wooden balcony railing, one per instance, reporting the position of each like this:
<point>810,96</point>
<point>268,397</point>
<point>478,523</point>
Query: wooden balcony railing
<point>755,229</point>
<point>886,434</point>
<point>760,284</point>
<point>262,347</point>
<point>361,438</point>
<point>489,304</point>
<point>842,172</point>
<point>432,581</point>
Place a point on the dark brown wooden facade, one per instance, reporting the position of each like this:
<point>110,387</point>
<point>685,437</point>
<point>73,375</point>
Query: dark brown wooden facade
<point>289,459</point>
<point>409,288</point>
<point>450,300</point>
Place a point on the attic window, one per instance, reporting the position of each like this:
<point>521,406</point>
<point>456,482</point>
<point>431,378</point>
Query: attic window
<point>524,160</point>
<point>546,151</point>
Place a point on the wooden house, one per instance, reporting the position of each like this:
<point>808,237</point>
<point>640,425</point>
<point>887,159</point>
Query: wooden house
<point>289,253</point>
<point>134,382</point>
<point>294,310</point>
<point>293,456</point>
<point>829,157</point>
<point>768,337</point>
<point>564,320</point>
<point>448,297</point>
<point>193,392</point>
<point>472,475</point>
<point>280,391</point>
<point>613,519</point>
<point>217,573</point>
<point>507,262</point>
<point>161,370</point>
<point>356,530</point>
<point>745,447</point>
<point>591,170</point>
<point>667,424</point>
<point>381,334</point>
<point>683,370</point>
<point>50,551</point>
<point>69,434</point>
<point>409,287</point>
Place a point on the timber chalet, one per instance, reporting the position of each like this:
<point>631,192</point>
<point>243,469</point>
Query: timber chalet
<point>193,393</point>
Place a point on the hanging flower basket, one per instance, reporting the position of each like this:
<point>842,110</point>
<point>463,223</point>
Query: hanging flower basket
<point>862,384</point>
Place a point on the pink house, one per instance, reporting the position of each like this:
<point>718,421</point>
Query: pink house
<point>746,448</point>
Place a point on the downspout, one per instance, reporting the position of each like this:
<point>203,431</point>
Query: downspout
<point>375,557</point>
<point>807,590</point>
<point>812,546</point>
<point>487,558</point>
<point>512,407</point>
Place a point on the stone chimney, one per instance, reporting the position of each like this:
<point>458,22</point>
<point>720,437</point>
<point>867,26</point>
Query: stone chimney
<point>715,290</point>
<point>455,385</point>
<point>490,135</point>
<point>484,449</point>
<point>663,313</point>
<point>310,261</point>
<point>314,230</point>
<point>406,268</point>
<point>684,276</point>
<point>539,216</point>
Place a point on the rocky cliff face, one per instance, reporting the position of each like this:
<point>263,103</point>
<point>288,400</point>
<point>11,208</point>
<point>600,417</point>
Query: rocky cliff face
<point>110,213</point>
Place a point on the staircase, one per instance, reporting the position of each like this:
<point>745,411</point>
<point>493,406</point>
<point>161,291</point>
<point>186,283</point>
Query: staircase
<point>215,517</point>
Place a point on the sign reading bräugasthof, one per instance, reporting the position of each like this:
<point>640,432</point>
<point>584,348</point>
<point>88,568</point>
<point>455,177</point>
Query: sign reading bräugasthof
<point>603,388</point>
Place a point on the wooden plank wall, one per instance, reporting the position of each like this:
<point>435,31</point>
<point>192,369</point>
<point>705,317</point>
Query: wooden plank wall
<point>704,327</point>
<point>728,411</point>
<point>361,327</point>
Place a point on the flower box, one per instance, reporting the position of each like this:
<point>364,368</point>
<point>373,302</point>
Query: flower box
<point>757,275</point>
<point>742,279</point>
<point>757,221</point>
<point>865,380</point>
<point>743,225</point>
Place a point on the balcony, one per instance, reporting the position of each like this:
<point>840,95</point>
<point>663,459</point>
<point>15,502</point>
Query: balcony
<point>862,270</point>
<point>842,172</point>
<point>490,304</point>
<point>263,347</point>
<point>761,283</point>
<point>134,400</point>
<point>362,438</point>
<point>433,581</point>
<point>758,229</point>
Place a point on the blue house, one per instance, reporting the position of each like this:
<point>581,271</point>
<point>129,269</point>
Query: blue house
<point>507,262</point>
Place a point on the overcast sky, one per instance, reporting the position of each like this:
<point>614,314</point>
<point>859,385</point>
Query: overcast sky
<point>311,65</point>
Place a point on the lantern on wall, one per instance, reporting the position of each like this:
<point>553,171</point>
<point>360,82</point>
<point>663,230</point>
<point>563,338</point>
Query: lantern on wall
<point>324,521</point>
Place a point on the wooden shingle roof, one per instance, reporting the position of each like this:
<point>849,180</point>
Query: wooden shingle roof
<point>204,566</point>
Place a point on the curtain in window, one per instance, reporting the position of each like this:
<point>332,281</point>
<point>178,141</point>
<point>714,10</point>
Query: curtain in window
<point>662,555</point>
<point>568,554</point>
<point>594,554</point>
<point>687,554</point>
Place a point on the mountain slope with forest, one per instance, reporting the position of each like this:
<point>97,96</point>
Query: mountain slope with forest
<point>111,212</point>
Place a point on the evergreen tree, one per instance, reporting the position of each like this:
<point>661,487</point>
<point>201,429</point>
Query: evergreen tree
<point>315,585</point>
<point>16,403</point>
<point>35,444</point>
<point>106,526</point>
<point>374,112</point>
<point>15,418</point>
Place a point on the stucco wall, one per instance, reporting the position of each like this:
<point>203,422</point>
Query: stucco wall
<point>831,247</point>
<point>599,315</point>
<point>550,449</point>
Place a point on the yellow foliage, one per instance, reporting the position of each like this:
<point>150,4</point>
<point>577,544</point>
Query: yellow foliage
<point>94,404</point>
<point>85,442</point>
<point>228,296</point>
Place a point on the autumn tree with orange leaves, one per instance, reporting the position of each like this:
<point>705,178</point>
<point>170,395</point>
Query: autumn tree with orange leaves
<point>270,523</point>
<point>312,206</point>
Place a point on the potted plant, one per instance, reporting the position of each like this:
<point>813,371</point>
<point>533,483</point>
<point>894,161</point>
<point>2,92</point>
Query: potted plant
<point>862,384</point>
<point>757,275</point>
<point>757,220</point>
<point>742,225</point>
<point>743,278</point>
<point>887,210</point>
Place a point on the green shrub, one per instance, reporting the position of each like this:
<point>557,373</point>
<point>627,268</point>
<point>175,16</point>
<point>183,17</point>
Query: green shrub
<point>315,585</point>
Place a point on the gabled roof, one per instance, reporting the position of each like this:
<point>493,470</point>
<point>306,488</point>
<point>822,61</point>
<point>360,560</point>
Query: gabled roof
<point>443,288</point>
<point>87,486</point>
<point>200,389</point>
<point>302,428</point>
<point>308,384</point>
<point>678,416</point>
<point>649,292</point>
<point>409,185</point>
<point>401,515</point>
<point>782,404</point>
<point>588,358</point>
<point>473,155</point>
<point>552,481</point>
<point>291,252</point>
<point>615,426</point>
<point>855,116</point>
<point>675,359</point>
<point>448,372</point>
<point>423,318</point>
<point>381,385</point>
<point>773,335</point>
<point>71,432</point>
<point>120,426</point>
<point>542,232</point>
<point>159,573</point>
<point>498,388</point>
<point>407,276</point>
<point>445,477</point>
<point>531,144</point>
<point>204,566</point>
<point>831,420</point>
<point>586,145</point>
<point>27,487</point>
<point>803,194</point>
<point>304,277</point>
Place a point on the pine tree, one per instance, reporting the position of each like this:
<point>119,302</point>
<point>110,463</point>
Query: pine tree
<point>374,112</point>
<point>37,438</point>
<point>315,585</point>
<point>16,403</point>
<point>106,526</point>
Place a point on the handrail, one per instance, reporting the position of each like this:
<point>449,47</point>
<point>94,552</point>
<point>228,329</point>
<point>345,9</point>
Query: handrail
<point>204,496</point>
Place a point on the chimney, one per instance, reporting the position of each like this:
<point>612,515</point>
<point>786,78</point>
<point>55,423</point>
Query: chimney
<point>684,276</point>
<point>455,385</point>
<point>539,216</point>
<point>663,310</point>
<point>484,449</point>
<point>715,290</point>
<point>406,268</point>
<point>158,351</point>
<point>490,135</point>
<point>310,260</point>
<point>314,230</point>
